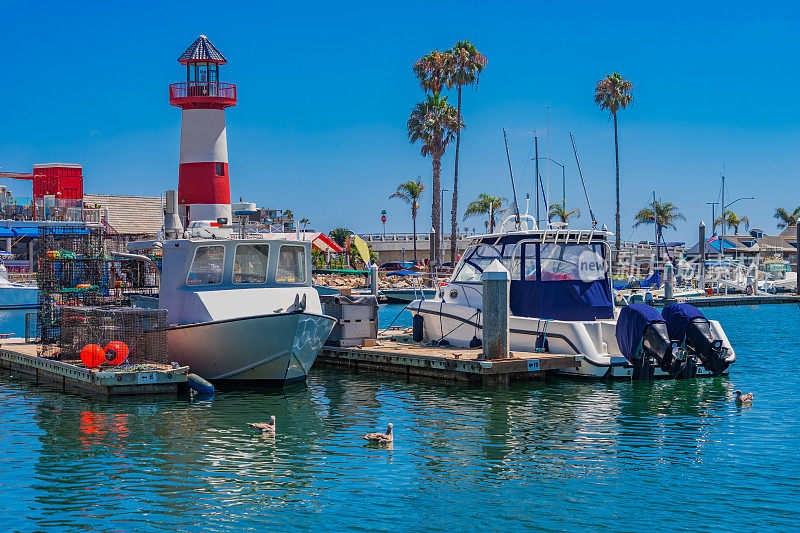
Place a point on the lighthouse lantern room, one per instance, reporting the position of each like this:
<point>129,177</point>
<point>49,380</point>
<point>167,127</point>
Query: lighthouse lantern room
<point>203,185</point>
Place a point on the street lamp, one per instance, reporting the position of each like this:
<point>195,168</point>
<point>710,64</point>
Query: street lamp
<point>441,231</point>
<point>724,205</point>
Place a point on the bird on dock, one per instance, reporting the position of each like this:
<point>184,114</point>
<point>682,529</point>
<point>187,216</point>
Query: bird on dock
<point>744,399</point>
<point>264,427</point>
<point>380,438</point>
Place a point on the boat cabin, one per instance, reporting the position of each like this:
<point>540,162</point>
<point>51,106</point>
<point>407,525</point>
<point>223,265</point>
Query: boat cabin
<point>217,279</point>
<point>555,274</point>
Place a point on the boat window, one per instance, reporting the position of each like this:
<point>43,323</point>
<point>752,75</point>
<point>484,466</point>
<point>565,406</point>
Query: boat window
<point>291,265</point>
<point>468,274</point>
<point>207,265</point>
<point>473,266</point>
<point>250,263</point>
<point>571,262</point>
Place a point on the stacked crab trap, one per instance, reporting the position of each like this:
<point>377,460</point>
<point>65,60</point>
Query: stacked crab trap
<point>85,289</point>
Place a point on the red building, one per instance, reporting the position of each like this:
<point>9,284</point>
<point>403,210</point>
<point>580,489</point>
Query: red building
<point>61,180</point>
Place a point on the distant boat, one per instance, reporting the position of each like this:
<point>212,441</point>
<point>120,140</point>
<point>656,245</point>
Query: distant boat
<point>406,296</point>
<point>16,295</point>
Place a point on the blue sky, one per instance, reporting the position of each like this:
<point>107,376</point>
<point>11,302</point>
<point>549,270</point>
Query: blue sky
<point>325,90</point>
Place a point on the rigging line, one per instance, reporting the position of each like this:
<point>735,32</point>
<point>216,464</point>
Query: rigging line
<point>511,172</point>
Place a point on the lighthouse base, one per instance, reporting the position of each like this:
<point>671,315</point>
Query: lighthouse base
<point>214,212</point>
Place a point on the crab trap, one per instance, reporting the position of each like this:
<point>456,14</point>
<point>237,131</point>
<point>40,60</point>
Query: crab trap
<point>113,336</point>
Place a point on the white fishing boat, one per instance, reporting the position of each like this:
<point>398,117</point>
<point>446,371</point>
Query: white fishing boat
<point>240,309</point>
<point>16,295</point>
<point>561,301</point>
<point>776,276</point>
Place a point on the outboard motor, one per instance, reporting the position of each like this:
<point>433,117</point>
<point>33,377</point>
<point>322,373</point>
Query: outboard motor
<point>686,323</point>
<point>642,337</point>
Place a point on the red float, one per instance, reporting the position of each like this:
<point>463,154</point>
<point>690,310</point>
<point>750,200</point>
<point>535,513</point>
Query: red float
<point>93,355</point>
<point>116,352</point>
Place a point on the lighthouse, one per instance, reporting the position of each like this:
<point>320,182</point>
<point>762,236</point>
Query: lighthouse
<point>203,187</point>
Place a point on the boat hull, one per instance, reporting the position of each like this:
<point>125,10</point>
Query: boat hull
<point>406,296</point>
<point>19,297</point>
<point>275,349</point>
<point>595,341</point>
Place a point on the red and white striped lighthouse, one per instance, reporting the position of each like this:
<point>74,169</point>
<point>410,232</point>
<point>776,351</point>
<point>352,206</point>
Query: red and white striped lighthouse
<point>203,188</point>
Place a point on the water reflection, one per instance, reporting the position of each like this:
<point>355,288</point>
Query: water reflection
<point>559,454</point>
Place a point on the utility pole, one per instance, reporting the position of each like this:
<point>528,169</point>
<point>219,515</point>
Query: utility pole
<point>722,214</point>
<point>536,177</point>
<point>713,217</point>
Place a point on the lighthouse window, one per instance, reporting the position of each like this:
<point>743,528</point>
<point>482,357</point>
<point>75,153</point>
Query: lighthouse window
<point>250,263</point>
<point>220,169</point>
<point>207,266</point>
<point>291,265</point>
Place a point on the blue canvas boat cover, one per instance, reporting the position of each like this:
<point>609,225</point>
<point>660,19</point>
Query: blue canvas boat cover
<point>562,300</point>
<point>631,324</point>
<point>406,272</point>
<point>678,317</point>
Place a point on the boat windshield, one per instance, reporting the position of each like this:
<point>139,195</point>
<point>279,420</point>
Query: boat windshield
<point>250,263</point>
<point>291,264</point>
<point>207,265</point>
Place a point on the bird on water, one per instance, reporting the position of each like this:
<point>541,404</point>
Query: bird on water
<point>380,438</point>
<point>264,427</point>
<point>744,399</point>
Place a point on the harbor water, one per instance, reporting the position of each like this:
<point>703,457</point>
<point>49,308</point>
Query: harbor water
<point>560,455</point>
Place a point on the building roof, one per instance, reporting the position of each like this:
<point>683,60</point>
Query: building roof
<point>202,50</point>
<point>790,231</point>
<point>133,215</point>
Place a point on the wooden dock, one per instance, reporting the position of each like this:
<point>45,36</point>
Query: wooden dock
<point>72,376</point>
<point>396,354</point>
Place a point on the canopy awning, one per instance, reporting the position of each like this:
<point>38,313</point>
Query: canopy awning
<point>26,231</point>
<point>6,232</point>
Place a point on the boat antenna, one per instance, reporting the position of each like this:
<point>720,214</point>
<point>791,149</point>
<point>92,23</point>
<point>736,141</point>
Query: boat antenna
<point>580,173</point>
<point>511,172</point>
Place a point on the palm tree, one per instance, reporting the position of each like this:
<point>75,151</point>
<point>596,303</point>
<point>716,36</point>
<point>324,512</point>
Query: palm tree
<point>433,70</point>
<point>662,214</point>
<point>486,204</point>
<point>410,192</point>
<point>467,64</point>
<point>287,214</point>
<point>339,235</point>
<point>730,218</point>
<point>614,93</point>
<point>558,210</point>
<point>433,123</point>
<point>305,222</point>
<point>786,218</point>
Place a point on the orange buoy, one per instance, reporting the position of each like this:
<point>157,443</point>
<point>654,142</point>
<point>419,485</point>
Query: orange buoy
<point>116,352</point>
<point>93,355</point>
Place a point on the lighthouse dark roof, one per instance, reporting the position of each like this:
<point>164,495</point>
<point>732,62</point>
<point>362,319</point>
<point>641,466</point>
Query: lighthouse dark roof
<point>202,50</point>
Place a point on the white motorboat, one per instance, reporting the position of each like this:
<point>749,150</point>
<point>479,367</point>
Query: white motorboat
<point>776,275</point>
<point>241,309</point>
<point>16,295</point>
<point>560,301</point>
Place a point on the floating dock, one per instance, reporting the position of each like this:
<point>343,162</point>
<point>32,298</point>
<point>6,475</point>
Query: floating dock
<point>722,300</point>
<point>397,354</point>
<point>72,376</point>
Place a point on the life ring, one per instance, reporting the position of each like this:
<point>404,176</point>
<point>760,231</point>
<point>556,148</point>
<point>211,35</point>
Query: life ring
<point>749,290</point>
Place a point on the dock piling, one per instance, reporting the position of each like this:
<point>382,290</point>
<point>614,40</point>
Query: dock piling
<point>373,279</point>
<point>669,280</point>
<point>496,281</point>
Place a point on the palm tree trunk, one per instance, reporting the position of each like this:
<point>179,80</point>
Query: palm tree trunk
<point>616,157</point>
<point>414,229</point>
<point>454,209</point>
<point>436,212</point>
<point>491,218</point>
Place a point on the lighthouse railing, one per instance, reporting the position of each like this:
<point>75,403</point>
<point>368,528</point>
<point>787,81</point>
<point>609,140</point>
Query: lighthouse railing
<point>202,89</point>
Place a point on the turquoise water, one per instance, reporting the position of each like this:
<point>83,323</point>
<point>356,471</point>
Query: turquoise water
<point>555,456</point>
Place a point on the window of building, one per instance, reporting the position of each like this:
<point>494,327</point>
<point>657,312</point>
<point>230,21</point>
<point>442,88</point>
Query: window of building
<point>207,266</point>
<point>250,263</point>
<point>291,264</point>
<point>220,169</point>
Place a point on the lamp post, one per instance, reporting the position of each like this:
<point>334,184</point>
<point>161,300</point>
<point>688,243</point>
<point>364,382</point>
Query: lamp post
<point>441,230</point>
<point>724,205</point>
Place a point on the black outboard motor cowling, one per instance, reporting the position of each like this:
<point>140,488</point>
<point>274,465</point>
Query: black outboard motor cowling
<point>643,337</point>
<point>686,322</point>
